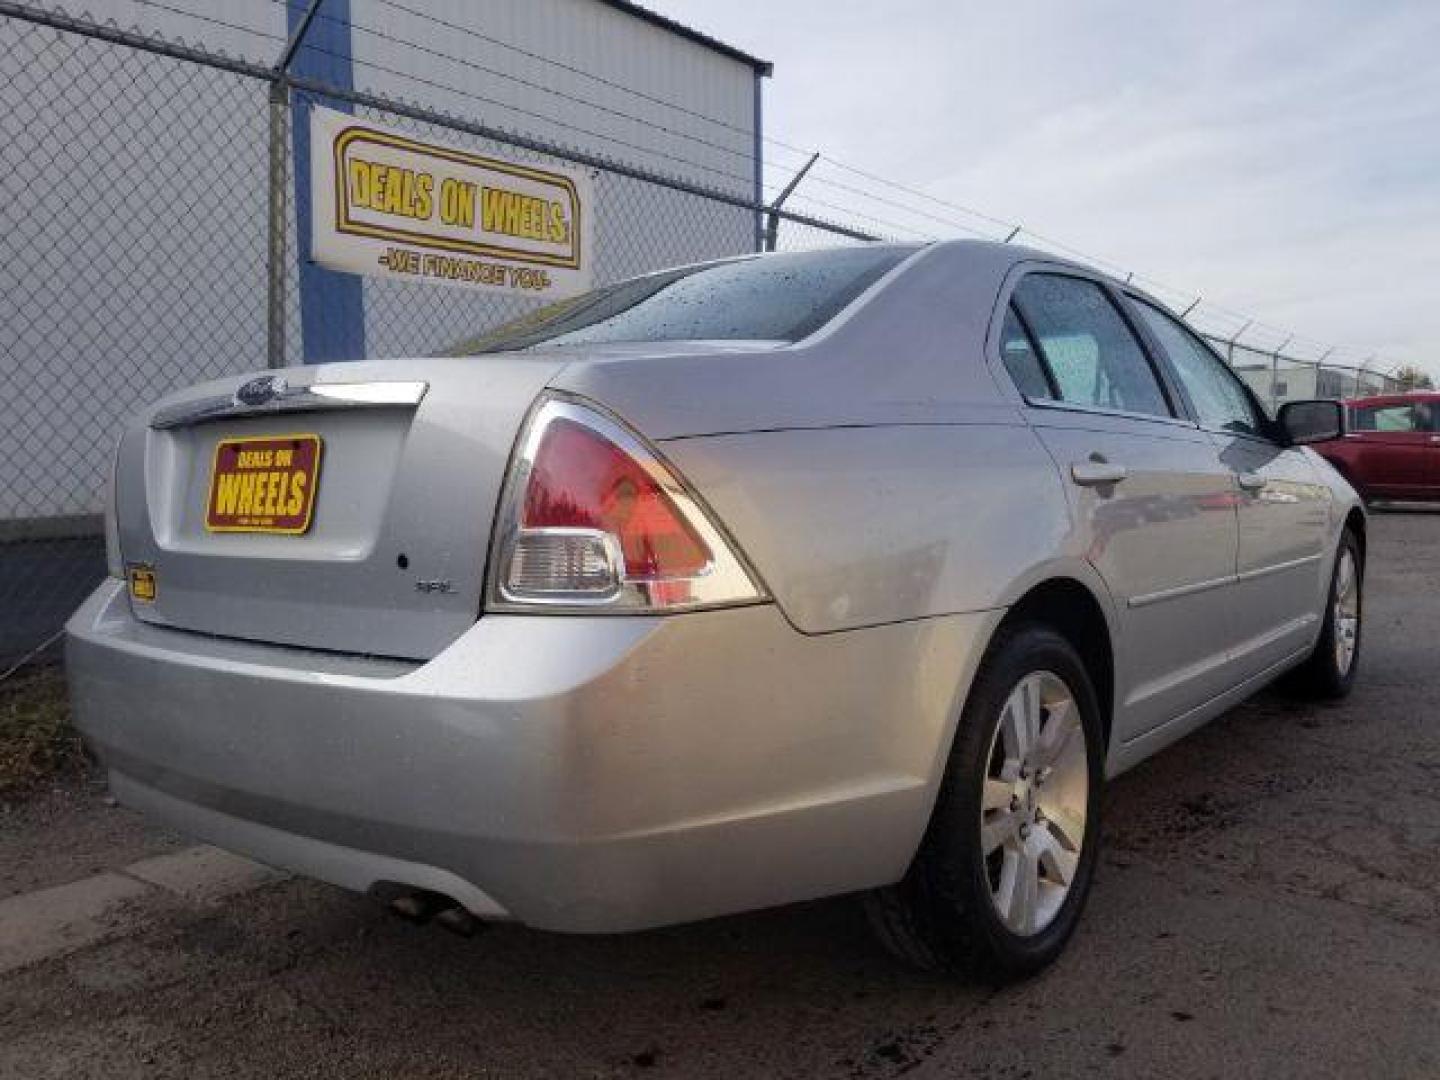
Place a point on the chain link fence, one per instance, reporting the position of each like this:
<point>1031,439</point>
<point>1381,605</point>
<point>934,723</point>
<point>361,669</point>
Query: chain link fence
<point>137,179</point>
<point>136,213</point>
<point>138,185</point>
<point>1277,378</point>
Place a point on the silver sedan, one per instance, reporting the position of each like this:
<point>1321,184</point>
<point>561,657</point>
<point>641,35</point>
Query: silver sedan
<point>733,585</point>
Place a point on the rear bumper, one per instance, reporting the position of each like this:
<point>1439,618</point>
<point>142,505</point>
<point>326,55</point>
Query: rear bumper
<point>576,773</point>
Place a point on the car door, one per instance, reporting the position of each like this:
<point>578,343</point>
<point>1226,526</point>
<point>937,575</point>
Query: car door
<point>1152,501</point>
<point>1282,506</point>
<point>1430,421</point>
<point>1393,447</point>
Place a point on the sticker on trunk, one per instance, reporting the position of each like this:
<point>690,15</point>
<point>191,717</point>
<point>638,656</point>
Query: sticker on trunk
<point>142,582</point>
<point>264,484</point>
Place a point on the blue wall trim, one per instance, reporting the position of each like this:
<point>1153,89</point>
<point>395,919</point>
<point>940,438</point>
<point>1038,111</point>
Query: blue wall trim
<point>332,305</point>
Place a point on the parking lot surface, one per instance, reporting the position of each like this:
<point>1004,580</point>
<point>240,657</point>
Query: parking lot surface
<point>1268,905</point>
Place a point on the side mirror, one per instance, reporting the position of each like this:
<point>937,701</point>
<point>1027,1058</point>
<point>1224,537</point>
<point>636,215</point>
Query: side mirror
<point>1311,421</point>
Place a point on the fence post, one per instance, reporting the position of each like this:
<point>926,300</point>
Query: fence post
<point>275,248</point>
<point>759,152</point>
<point>772,228</point>
<point>1359,374</point>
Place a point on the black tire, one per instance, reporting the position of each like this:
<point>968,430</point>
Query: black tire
<point>941,917</point>
<point>1320,677</point>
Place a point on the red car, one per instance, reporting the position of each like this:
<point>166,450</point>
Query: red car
<point>1391,446</point>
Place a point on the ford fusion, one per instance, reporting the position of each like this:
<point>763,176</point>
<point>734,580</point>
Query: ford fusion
<point>742,583</point>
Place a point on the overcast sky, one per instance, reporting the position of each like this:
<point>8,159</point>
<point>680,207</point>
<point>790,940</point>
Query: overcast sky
<point>1282,159</point>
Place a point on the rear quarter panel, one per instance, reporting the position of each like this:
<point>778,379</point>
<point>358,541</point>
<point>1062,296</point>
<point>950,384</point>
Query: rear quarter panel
<point>853,527</point>
<point>876,471</point>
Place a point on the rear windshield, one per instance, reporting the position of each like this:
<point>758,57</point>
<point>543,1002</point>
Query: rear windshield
<point>775,298</point>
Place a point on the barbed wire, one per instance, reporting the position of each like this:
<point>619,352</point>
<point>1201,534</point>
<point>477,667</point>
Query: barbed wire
<point>471,95</point>
<point>123,143</point>
<point>747,155</point>
<point>900,197</point>
<point>1010,231</point>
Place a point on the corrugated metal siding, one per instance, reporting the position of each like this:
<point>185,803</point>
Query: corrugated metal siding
<point>561,105</point>
<point>107,305</point>
<point>252,30</point>
<point>135,243</point>
<point>561,70</point>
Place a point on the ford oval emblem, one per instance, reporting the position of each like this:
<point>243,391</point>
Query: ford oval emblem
<point>259,391</point>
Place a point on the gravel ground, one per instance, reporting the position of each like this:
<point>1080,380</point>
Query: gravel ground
<point>1268,905</point>
<point>70,830</point>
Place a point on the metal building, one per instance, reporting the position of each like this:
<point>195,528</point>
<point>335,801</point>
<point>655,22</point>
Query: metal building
<point>136,184</point>
<point>102,277</point>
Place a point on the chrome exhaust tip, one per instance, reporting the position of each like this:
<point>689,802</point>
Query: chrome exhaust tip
<point>421,906</point>
<point>459,921</point>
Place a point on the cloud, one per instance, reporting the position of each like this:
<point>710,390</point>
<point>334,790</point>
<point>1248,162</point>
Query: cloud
<point>1280,159</point>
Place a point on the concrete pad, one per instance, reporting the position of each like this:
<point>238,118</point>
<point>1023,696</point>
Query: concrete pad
<point>203,874</point>
<point>52,922</point>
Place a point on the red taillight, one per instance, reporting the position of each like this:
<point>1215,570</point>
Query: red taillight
<point>593,518</point>
<point>580,480</point>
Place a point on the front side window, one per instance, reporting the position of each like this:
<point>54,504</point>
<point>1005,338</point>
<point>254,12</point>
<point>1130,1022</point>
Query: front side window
<point>771,298</point>
<point>1092,355</point>
<point>1405,416</point>
<point>1219,399</point>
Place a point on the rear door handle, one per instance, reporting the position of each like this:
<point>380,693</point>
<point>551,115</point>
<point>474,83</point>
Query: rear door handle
<point>1093,473</point>
<point>1250,481</point>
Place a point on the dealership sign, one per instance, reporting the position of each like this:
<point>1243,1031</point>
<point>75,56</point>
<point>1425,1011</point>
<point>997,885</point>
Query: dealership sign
<point>388,204</point>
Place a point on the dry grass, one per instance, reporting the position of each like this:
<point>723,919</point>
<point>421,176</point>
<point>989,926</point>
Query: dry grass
<point>37,742</point>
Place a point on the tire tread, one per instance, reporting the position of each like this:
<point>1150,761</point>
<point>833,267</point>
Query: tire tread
<point>924,919</point>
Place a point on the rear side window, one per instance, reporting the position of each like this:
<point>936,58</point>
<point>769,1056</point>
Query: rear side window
<point>1219,399</point>
<point>1407,416</point>
<point>775,298</point>
<point>1021,360</point>
<point>1090,351</point>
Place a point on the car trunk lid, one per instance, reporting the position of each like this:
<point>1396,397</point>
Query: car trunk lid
<point>390,558</point>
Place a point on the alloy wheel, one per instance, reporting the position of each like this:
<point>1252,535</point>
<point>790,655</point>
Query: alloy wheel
<point>1346,616</point>
<point>1033,810</point>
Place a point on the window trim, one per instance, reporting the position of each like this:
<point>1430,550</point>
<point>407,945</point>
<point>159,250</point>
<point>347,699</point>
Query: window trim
<point>1169,392</point>
<point>1100,410</point>
<point>1265,435</point>
<point>1058,403</point>
<point>1044,365</point>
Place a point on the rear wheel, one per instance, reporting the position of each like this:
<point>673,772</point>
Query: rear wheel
<point>1006,863</point>
<point>1330,670</point>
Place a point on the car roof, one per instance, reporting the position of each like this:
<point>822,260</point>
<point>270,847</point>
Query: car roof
<point>996,253</point>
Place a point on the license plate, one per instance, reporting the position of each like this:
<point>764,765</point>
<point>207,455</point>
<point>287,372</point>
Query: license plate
<point>264,484</point>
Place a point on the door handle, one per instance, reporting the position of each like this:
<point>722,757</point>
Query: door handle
<point>1250,481</point>
<point>1094,473</point>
